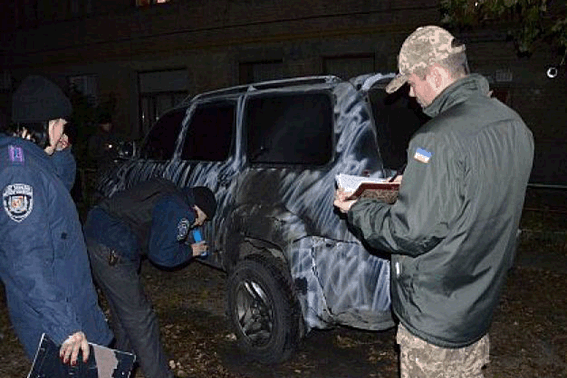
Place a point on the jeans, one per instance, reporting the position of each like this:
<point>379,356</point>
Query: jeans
<point>133,319</point>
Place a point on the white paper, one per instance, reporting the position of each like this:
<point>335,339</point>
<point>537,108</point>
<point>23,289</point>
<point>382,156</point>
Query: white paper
<point>349,183</point>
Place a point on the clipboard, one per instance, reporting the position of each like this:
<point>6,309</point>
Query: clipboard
<point>103,362</point>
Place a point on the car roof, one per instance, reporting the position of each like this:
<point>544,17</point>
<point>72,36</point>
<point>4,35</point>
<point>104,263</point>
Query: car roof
<point>363,82</point>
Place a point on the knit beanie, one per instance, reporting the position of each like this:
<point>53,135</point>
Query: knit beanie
<point>37,99</point>
<point>205,200</point>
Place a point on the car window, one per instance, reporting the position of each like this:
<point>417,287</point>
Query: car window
<point>160,141</point>
<point>290,129</point>
<point>210,131</point>
<point>396,117</point>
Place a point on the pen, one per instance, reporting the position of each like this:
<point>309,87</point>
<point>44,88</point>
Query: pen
<point>399,172</point>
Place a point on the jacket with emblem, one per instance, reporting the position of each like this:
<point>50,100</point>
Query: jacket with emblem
<point>43,259</point>
<point>452,232</point>
<point>152,219</point>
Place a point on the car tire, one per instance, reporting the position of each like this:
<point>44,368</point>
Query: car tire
<point>263,309</point>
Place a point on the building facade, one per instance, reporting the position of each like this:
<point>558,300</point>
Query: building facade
<point>149,54</point>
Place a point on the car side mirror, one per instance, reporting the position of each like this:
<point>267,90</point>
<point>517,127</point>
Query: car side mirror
<point>127,150</point>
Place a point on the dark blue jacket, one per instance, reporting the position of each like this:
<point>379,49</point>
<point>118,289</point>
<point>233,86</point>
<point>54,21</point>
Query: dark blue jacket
<point>65,167</point>
<point>43,258</point>
<point>172,216</point>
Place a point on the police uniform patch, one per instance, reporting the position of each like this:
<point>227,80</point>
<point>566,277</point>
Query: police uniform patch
<point>183,229</point>
<point>18,201</point>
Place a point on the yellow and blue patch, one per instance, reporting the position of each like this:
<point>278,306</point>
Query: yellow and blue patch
<point>422,155</point>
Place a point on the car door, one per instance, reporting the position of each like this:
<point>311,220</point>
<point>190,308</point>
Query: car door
<point>208,156</point>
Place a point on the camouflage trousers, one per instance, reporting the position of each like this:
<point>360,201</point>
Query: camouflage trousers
<point>420,359</point>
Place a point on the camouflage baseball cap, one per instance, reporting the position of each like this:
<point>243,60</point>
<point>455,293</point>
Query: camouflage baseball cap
<point>425,46</point>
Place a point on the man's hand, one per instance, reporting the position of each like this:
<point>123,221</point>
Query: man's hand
<point>341,200</point>
<point>63,143</point>
<point>70,348</point>
<point>199,248</point>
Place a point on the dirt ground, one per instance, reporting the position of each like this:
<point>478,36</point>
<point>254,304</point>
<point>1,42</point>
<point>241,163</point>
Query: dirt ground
<point>528,335</point>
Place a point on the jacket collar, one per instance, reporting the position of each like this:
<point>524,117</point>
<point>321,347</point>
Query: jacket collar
<point>459,91</point>
<point>29,148</point>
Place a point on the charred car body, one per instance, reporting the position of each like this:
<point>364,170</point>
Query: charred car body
<point>270,152</point>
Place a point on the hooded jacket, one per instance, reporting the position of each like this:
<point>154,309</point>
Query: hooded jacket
<point>43,258</point>
<point>452,232</point>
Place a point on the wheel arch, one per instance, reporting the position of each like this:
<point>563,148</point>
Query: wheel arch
<point>255,228</point>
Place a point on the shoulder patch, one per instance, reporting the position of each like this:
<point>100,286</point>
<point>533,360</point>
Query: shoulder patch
<point>422,155</point>
<point>17,200</point>
<point>183,229</point>
<point>16,154</point>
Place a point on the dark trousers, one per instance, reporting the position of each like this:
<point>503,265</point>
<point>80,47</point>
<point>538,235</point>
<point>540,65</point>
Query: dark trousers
<point>133,320</point>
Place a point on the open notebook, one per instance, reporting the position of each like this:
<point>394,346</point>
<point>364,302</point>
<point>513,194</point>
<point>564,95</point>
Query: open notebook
<point>361,186</point>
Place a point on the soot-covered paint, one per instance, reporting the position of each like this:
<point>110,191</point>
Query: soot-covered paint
<point>291,208</point>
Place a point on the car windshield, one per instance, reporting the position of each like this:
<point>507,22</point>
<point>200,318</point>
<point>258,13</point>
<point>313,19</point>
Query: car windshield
<point>160,141</point>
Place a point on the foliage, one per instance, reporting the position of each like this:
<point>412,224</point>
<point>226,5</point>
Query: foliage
<point>527,21</point>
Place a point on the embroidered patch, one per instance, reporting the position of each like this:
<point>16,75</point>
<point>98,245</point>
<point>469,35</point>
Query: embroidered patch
<point>422,155</point>
<point>183,229</point>
<point>16,154</point>
<point>18,201</point>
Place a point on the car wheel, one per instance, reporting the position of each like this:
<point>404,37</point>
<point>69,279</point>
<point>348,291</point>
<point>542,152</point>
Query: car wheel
<point>263,309</point>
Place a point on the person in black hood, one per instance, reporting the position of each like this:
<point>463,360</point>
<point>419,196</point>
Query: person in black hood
<point>43,257</point>
<point>40,111</point>
<point>452,232</point>
<point>152,219</point>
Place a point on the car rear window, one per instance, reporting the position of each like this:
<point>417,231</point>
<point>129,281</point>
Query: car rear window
<point>289,129</point>
<point>396,117</point>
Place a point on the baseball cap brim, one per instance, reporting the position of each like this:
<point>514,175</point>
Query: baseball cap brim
<point>396,83</point>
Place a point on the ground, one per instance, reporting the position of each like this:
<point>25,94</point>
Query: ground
<point>528,334</point>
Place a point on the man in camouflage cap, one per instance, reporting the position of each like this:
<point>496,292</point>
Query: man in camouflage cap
<point>424,47</point>
<point>452,231</point>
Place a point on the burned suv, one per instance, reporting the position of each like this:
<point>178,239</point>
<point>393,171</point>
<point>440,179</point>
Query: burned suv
<point>270,152</point>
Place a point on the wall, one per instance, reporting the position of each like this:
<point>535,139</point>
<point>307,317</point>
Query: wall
<point>210,39</point>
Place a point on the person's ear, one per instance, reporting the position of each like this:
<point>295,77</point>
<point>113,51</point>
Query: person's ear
<point>438,78</point>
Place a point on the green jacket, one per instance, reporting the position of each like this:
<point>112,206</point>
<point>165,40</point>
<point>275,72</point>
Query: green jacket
<point>452,232</point>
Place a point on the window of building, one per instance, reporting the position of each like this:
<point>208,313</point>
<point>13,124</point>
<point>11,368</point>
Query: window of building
<point>254,72</point>
<point>86,85</point>
<point>210,131</point>
<point>161,140</point>
<point>502,93</point>
<point>348,66</point>
<point>155,104</point>
<point>160,91</point>
<point>26,13</point>
<point>290,129</point>
<point>145,3</point>
<point>5,81</point>
<point>81,7</point>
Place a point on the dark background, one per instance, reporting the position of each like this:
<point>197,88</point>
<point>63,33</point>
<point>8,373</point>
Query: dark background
<point>143,57</point>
